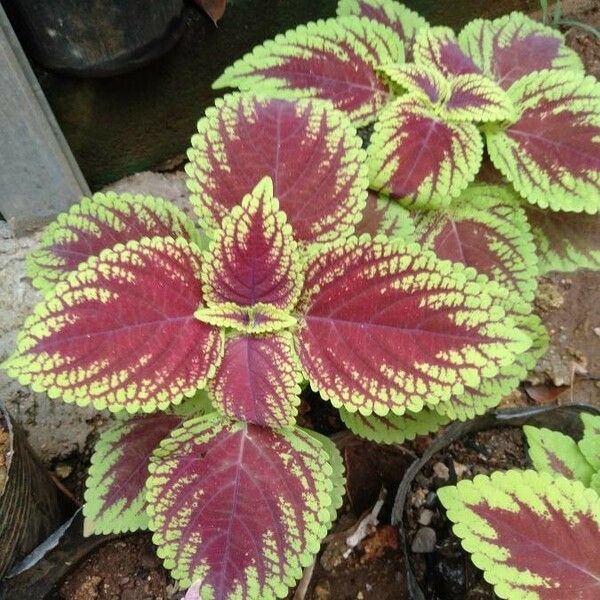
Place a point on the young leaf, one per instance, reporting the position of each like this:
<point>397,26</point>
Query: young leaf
<point>385,216</point>
<point>485,228</point>
<point>422,81</point>
<point>552,153</point>
<point>513,46</point>
<point>309,150</point>
<point>240,509</point>
<point>254,257</point>
<point>565,241</point>
<point>332,60</point>
<point>476,400</point>
<point>438,47</point>
<point>393,429</point>
<point>399,329</point>
<point>98,223</point>
<point>255,319</point>
<point>417,156</point>
<point>120,332</point>
<point>590,443</point>
<point>258,379</point>
<point>557,454</point>
<point>474,97</point>
<point>405,22</point>
<point>534,536</point>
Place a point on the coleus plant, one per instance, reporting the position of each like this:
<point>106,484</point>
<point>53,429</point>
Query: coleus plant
<point>142,311</point>
<point>433,93</point>
<point>535,534</point>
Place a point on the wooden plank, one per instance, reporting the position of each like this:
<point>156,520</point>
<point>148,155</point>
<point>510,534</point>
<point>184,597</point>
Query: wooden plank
<point>38,175</point>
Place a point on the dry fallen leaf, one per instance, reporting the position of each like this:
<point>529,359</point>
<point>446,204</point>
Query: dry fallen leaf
<point>545,394</point>
<point>215,9</point>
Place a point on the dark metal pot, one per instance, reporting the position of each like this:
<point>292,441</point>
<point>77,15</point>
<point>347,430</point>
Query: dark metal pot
<point>96,37</point>
<point>31,506</point>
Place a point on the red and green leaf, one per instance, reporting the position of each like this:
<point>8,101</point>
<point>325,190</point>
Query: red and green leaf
<point>331,60</point>
<point>476,400</point>
<point>254,257</point>
<point>311,152</point>
<point>115,497</point>
<point>474,97</point>
<point>120,332</point>
<point>385,216</point>
<point>98,223</point>
<point>238,509</point>
<point>423,81</point>
<point>258,380</point>
<point>438,47</point>
<point>417,156</point>
<point>552,153</point>
<point>485,228</point>
<point>590,443</point>
<point>513,46</point>
<point>557,454</point>
<point>393,429</point>
<point>534,536</point>
<point>565,241</point>
<point>405,22</point>
<point>384,326</point>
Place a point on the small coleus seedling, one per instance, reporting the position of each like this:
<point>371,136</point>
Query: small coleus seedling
<point>535,534</point>
<point>434,93</point>
<point>141,311</point>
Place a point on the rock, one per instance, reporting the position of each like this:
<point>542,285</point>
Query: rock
<point>425,516</point>
<point>55,429</point>
<point>441,471</point>
<point>424,541</point>
<point>322,591</point>
<point>63,470</point>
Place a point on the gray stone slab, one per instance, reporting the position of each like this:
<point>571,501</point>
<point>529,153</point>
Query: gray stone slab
<point>38,174</point>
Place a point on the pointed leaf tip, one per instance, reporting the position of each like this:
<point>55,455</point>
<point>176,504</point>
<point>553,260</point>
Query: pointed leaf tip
<point>254,257</point>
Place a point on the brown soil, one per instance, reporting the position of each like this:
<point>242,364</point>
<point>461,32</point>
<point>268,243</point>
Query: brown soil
<point>584,42</point>
<point>447,573</point>
<point>126,569</point>
<point>568,306</point>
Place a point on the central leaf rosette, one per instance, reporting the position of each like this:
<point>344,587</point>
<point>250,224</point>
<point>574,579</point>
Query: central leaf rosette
<point>252,278</point>
<point>376,326</point>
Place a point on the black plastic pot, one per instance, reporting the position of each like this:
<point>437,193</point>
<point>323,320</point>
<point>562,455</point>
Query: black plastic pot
<point>31,506</point>
<point>565,419</point>
<point>96,37</point>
